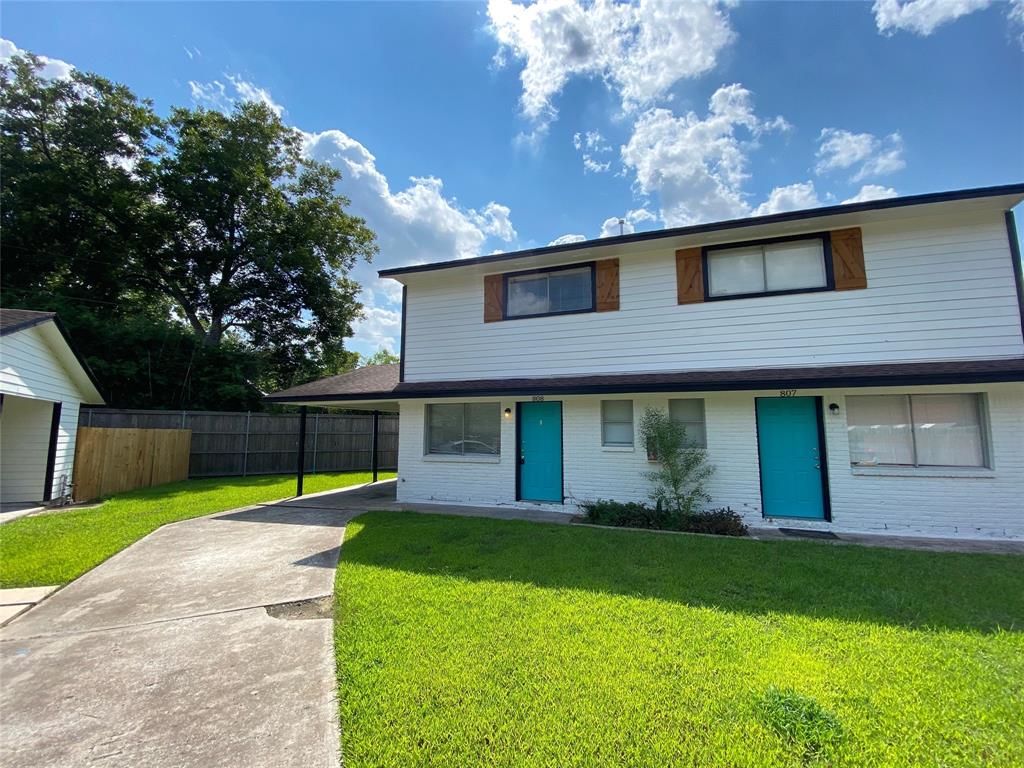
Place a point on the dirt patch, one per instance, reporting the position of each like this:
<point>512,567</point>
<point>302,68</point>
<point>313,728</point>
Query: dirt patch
<point>313,608</point>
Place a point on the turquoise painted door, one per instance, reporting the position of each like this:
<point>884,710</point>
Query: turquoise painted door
<point>540,451</point>
<point>791,461</point>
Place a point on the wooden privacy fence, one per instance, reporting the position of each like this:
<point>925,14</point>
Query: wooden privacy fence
<point>114,460</point>
<point>231,443</point>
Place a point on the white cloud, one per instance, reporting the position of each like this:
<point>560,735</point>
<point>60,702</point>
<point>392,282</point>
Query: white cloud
<point>192,53</point>
<point>640,216</point>
<point>871,192</point>
<point>249,92</point>
<point>590,144</point>
<point>379,327</point>
<point>413,225</point>
<point>697,166</point>
<point>614,226</point>
<point>215,95</point>
<point>566,239</point>
<point>53,69</point>
<point>869,155</point>
<point>640,49</point>
<point>793,197</point>
<point>922,17</point>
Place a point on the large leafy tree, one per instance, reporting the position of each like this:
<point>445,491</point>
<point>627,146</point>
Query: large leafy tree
<point>73,203</point>
<point>205,241</point>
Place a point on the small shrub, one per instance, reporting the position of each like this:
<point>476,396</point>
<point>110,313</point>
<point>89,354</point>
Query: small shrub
<point>723,522</point>
<point>801,722</point>
<point>682,468</point>
<point>632,514</point>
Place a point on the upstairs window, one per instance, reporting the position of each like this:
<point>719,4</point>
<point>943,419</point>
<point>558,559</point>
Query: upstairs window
<point>550,292</point>
<point>463,429</point>
<point>771,267</point>
<point>944,430</point>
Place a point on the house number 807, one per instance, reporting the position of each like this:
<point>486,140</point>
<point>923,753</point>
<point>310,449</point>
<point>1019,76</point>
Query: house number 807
<point>787,393</point>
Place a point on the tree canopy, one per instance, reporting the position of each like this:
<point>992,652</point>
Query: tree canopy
<point>197,259</point>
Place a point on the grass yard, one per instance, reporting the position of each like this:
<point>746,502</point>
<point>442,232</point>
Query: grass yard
<point>472,642</point>
<point>57,547</point>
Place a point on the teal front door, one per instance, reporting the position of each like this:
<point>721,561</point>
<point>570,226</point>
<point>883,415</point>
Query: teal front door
<point>540,452</point>
<point>789,443</point>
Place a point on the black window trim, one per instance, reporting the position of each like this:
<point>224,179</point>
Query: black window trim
<point>559,268</point>
<point>826,251</point>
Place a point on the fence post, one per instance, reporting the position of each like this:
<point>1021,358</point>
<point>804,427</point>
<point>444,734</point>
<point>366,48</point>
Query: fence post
<point>183,419</point>
<point>316,432</point>
<point>245,448</point>
<point>373,446</point>
<point>302,451</point>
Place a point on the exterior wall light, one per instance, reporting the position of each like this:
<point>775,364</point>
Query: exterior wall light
<point>508,413</point>
<point>833,408</point>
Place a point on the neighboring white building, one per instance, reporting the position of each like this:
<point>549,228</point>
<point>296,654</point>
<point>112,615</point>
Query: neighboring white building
<point>852,368</point>
<point>43,382</point>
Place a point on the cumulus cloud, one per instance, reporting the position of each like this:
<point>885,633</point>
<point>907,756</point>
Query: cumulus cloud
<point>922,17</point>
<point>864,153</point>
<point>696,165</point>
<point>415,224</point>
<point>216,95</point>
<point>590,144</point>
<point>53,69</point>
<point>566,239</point>
<point>871,192</point>
<point>793,197</point>
<point>626,225</point>
<point>639,49</point>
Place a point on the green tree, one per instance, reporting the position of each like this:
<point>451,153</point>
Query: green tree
<point>682,469</point>
<point>381,357</point>
<point>206,243</point>
<point>73,203</point>
<point>255,238</point>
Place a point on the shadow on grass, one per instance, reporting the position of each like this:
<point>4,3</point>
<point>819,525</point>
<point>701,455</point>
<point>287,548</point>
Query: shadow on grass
<point>910,589</point>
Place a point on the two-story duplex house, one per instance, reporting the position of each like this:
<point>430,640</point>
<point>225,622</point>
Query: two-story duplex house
<point>856,367</point>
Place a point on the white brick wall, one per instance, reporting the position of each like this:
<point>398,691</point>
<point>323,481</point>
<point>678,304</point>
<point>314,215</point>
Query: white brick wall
<point>965,503</point>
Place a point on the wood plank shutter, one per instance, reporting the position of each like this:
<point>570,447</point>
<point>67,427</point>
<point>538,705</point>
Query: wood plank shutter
<point>848,259</point>
<point>607,285</point>
<point>494,298</point>
<point>689,275</point>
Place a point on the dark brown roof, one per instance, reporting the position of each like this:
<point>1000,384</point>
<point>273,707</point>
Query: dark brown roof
<point>12,320</point>
<point>373,379</point>
<point>381,382</point>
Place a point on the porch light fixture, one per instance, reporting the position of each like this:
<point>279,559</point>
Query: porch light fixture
<point>508,413</point>
<point>833,408</point>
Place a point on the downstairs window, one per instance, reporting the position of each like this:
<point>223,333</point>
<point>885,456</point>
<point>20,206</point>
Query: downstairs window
<point>463,429</point>
<point>944,430</point>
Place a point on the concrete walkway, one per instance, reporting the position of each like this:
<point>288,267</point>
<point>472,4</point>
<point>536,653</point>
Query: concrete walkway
<point>167,654</point>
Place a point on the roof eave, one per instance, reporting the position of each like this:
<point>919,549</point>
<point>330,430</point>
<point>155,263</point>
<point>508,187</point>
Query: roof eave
<point>751,221</point>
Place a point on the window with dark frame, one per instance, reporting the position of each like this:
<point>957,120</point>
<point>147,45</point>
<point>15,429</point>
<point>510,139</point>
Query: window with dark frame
<point>928,430</point>
<point>463,429</point>
<point>558,291</point>
<point>771,267</point>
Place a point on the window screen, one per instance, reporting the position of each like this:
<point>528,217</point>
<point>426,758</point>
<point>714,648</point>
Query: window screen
<point>788,266</point>
<point>690,413</point>
<point>462,429</point>
<point>616,422</point>
<point>548,293</point>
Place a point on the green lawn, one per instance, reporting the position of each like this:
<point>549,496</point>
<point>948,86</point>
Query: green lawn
<point>470,642</point>
<point>58,547</point>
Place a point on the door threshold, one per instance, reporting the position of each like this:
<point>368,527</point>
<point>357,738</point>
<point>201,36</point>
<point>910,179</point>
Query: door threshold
<point>804,533</point>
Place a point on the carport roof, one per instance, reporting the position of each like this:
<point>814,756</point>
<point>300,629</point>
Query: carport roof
<point>380,382</point>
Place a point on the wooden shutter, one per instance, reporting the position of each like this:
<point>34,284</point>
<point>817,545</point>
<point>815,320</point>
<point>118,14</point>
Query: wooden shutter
<point>848,259</point>
<point>494,298</point>
<point>689,276</point>
<point>607,285</point>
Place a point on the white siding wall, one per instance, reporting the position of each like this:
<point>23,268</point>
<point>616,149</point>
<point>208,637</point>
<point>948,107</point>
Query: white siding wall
<point>24,444</point>
<point>28,368</point>
<point>938,288</point>
<point>965,503</point>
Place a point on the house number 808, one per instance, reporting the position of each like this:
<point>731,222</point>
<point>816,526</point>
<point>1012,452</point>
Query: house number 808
<point>538,398</point>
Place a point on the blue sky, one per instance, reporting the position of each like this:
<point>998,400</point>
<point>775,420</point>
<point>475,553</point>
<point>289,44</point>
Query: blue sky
<point>466,128</point>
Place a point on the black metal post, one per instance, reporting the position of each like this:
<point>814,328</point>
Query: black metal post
<point>373,444</point>
<point>301,469</point>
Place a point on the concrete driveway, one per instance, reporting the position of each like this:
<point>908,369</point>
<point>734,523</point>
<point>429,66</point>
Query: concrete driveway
<point>168,654</point>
